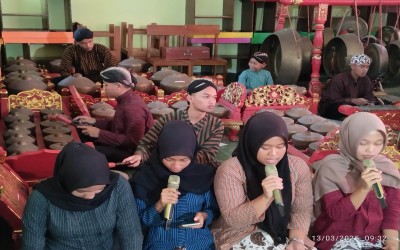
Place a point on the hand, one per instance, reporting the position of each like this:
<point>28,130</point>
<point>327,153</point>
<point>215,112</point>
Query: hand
<point>271,183</point>
<point>391,246</point>
<point>359,101</point>
<point>200,217</point>
<point>134,160</point>
<point>90,131</point>
<point>169,196</point>
<point>84,120</point>
<point>369,177</point>
<point>295,245</point>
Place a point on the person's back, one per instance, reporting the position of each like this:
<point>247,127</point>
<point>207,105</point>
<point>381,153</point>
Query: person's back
<point>86,57</point>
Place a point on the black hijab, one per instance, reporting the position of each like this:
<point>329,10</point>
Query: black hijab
<point>78,166</point>
<point>257,130</point>
<point>176,138</point>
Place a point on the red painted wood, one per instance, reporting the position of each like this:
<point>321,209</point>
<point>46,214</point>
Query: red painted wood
<point>339,2</point>
<point>13,196</point>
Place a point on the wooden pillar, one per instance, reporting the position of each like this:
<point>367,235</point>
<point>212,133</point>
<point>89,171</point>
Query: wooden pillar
<point>320,16</point>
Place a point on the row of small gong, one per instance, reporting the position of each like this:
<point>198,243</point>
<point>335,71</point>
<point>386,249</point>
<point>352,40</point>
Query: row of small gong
<point>21,134</point>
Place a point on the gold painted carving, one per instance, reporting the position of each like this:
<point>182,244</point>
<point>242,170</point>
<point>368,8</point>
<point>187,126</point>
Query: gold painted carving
<point>233,93</point>
<point>175,97</point>
<point>275,95</point>
<point>35,99</point>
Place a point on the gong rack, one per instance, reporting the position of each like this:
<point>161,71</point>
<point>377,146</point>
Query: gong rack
<point>320,17</point>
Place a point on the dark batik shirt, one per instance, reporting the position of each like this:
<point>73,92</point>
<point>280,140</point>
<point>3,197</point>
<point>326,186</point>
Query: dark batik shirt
<point>343,88</point>
<point>89,64</point>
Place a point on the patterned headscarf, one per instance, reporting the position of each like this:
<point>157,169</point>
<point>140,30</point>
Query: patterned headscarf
<point>360,59</point>
<point>118,74</point>
<point>260,57</point>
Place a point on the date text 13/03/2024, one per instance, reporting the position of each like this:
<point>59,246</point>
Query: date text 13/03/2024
<point>347,237</point>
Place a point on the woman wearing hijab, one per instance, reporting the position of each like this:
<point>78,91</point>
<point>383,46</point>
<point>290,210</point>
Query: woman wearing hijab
<point>348,214</point>
<point>83,206</point>
<point>193,201</point>
<point>249,216</point>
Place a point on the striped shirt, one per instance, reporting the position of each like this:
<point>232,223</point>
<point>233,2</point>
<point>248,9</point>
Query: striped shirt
<point>46,226</point>
<point>238,216</point>
<point>209,131</point>
<point>87,63</point>
<point>188,205</point>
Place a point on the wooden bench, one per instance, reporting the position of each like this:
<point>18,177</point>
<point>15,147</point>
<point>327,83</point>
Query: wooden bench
<point>114,35</point>
<point>129,39</point>
<point>159,36</point>
<point>35,37</point>
<point>215,60</point>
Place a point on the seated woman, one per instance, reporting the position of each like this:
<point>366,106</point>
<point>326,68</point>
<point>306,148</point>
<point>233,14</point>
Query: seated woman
<point>348,214</point>
<point>194,200</point>
<point>84,206</point>
<point>250,219</point>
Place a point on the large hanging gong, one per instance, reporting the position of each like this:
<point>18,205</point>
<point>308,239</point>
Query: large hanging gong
<point>349,25</point>
<point>390,34</point>
<point>380,60</point>
<point>327,35</point>
<point>307,47</point>
<point>366,40</point>
<point>284,55</point>
<point>393,70</point>
<point>338,52</point>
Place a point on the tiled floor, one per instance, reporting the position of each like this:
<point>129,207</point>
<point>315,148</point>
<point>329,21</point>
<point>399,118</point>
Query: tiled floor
<point>226,148</point>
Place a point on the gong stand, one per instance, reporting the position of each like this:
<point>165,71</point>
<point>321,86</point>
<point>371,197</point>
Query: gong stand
<point>320,17</point>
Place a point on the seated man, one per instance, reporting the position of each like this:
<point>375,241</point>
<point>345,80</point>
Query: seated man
<point>118,138</point>
<point>86,57</point>
<point>352,88</point>
<point>209,129</point>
